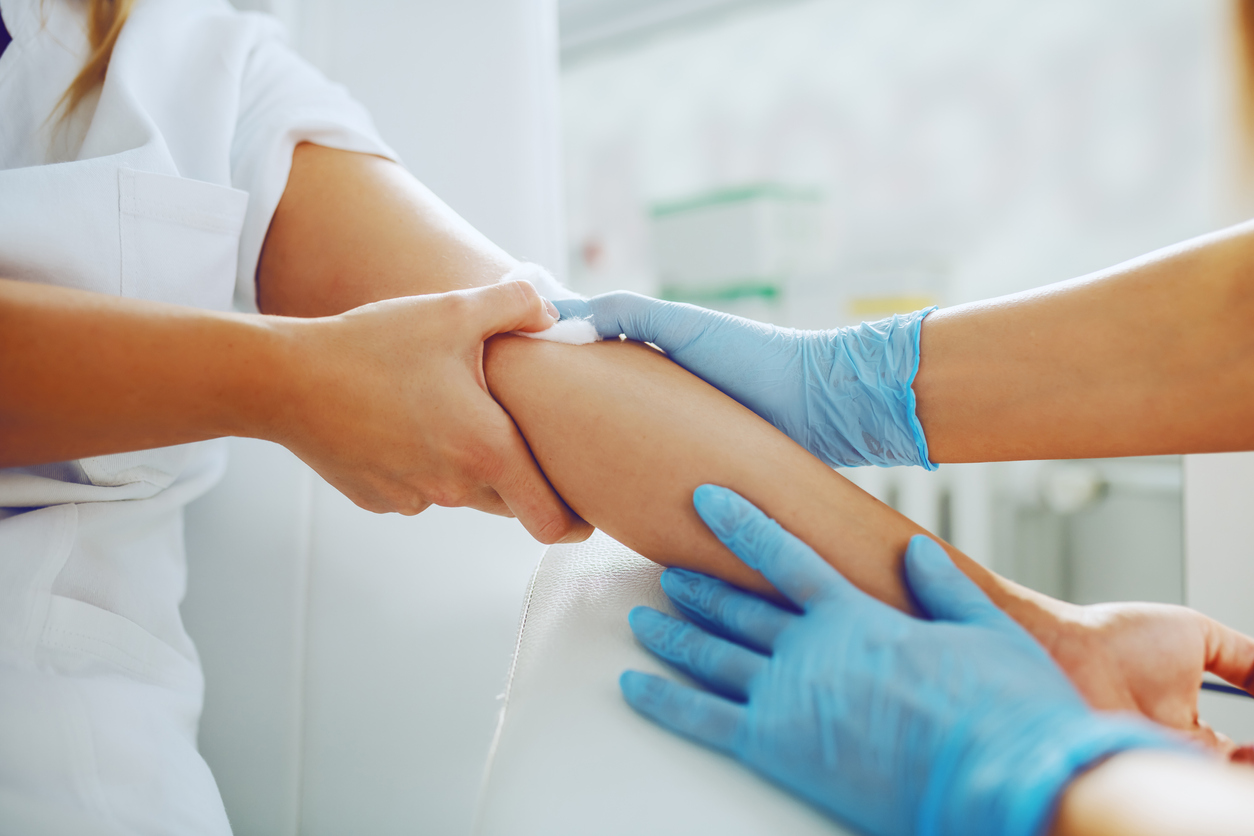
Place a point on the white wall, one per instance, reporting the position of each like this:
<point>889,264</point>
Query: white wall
<point>993,144</point>
<point>353,661</point>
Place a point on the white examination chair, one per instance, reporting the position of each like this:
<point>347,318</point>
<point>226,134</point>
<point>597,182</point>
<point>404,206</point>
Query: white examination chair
<point>571,758</point>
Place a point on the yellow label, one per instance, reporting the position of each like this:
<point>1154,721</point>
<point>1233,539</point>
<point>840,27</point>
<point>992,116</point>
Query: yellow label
<point>885,305</point>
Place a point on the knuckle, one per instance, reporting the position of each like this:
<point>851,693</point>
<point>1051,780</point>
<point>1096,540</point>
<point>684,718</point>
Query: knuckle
<point>487,458</point>
<point>508,294</point>
<point>525,292</point>
<point>373,506</point>
<point>450,495</point>
<point>475,463</point>
<point>526,298</point>
<point>401,498</point>
<point>554,529</point>
<point>457,305</point>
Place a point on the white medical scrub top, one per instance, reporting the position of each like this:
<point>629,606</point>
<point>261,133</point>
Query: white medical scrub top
<point>160,186</point>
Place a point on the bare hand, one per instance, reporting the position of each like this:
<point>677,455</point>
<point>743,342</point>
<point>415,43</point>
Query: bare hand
<point>1149,658</point>
<point>391,407</point>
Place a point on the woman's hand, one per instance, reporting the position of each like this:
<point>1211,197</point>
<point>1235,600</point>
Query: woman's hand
<point>388,403</point>
<point>843,394</point>
<point>953,722</point>
<point>1150,658</point>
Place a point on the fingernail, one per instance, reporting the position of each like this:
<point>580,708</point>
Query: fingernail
<point>552,309</point>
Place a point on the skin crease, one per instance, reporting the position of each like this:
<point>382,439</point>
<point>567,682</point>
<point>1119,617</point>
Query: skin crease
<point>625,436</point>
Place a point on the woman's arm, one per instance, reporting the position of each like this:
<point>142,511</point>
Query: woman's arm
<point>1153,356</point>
<point>387,402</point>
<point>626,436</point>
<point>1145,793</point>
<point>353,228</point>
<point>86,374</point>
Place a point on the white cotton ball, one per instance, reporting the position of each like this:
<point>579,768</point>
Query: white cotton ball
<point>571,331</point>
<point>541,279</point>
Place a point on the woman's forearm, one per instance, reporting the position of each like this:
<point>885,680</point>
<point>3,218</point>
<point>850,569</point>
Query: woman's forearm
<point>1142,793</point>
<point>625,436</point>
<point>85,374</point>
<point>1154,356</point>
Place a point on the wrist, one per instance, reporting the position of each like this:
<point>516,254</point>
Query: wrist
<point>266,379</point>
<point>1047,619</point>
<point>870,397</point>
<point>1012,781</point>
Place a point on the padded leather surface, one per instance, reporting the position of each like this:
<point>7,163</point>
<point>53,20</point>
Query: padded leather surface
<point>571,757</point>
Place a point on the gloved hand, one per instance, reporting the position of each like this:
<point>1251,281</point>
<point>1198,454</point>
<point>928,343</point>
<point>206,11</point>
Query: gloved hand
<point>843,394</point>
<point>961,724</point>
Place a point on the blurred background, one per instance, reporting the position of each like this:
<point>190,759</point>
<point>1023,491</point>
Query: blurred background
<point>817,163</point>
<point>812,163</point>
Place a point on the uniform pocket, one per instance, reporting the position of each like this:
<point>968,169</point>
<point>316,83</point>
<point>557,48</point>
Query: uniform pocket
<point>179,244</point>
<point>82,638</point>
<point>180,239</point>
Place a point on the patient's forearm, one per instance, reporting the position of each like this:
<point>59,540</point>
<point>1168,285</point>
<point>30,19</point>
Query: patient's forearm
<point>625,436</point>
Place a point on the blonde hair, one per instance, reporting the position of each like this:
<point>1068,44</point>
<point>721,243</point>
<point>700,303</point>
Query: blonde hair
<point>105,19</point>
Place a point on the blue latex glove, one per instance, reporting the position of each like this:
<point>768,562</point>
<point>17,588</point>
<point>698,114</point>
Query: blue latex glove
<point>842,394</point>
<point>961,724</point>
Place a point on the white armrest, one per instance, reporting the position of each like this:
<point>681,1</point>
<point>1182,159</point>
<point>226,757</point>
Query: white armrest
<point>570,756</point>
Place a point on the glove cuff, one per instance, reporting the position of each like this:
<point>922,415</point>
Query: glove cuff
<point>915,332</point>
<point>1016,792</point>
<point>884,428</point>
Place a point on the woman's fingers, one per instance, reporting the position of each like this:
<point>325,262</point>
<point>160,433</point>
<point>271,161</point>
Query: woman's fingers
<point>1217,742</point>
<point>702,717</point>
<point>790,565</point>
<point>724,609</point>
<point>723,666</point>
<point>942,590</point>
<point>668,325</point>
<point>526,491</point>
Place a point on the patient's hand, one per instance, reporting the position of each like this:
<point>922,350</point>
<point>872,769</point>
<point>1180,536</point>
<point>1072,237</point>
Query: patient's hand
<point>1150,658</point>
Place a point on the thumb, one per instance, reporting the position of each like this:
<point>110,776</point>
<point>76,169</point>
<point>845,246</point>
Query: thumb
<point>943,592</point>
<point>506,306</point>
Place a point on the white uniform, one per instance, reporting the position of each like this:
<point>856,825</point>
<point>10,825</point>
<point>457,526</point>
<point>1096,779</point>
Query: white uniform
<point>161,187</point>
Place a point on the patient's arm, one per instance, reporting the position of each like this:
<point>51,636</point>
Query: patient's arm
<point>624,435</point>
